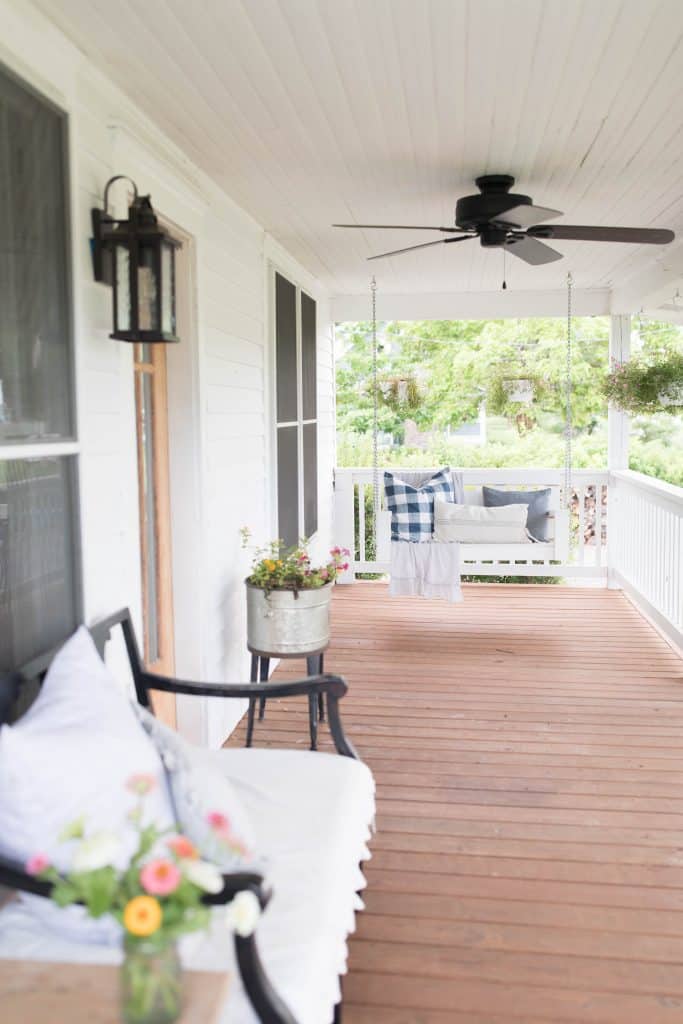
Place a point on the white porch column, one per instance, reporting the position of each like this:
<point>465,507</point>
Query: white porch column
<point>618,421</point>
<point>617,446</point>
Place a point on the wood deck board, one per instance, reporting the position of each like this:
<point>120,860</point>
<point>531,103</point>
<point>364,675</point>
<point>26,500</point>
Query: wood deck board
<point>528,864</point>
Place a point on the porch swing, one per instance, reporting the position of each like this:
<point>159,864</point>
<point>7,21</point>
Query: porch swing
<point>553,549</point>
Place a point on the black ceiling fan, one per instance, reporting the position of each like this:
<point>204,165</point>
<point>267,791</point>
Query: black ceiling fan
<point>500,219</point>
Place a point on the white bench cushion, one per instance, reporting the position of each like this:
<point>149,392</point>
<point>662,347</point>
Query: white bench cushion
<point>312,814</point>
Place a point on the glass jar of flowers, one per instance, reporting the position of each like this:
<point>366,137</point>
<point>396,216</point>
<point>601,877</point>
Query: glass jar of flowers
<point>156,898</point>
<point>288,599</point>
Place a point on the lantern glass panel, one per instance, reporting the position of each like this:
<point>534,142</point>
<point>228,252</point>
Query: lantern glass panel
<point>167,288</point>
<point>147,289</point>
<point>123,310</point>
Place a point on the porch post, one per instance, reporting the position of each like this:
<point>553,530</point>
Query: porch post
<point>617,445</point>
<point>344,519</point>
<point>618,421</point>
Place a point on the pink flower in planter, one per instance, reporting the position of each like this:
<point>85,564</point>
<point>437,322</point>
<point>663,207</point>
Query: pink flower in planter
<point>218,821</point>
<point>36,864</point>
<point>324,574</point>
<point>160,877</point>
<point>344,566</point>
<point>141,783</point>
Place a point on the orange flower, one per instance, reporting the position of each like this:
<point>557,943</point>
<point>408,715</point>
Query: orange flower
<point>142,915</point>
<point>183,848</point>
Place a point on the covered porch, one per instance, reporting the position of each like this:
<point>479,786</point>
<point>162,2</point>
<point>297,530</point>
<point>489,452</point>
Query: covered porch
<point>527,858</point>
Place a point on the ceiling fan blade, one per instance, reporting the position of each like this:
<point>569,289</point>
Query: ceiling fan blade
<point>525,216</point>
<point>532,251</point>
<point>397,227</point>
<point>423,245</point>
<point>599,233</point>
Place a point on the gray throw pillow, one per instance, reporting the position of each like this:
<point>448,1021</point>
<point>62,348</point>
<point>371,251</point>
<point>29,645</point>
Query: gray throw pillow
<point>538,502</point>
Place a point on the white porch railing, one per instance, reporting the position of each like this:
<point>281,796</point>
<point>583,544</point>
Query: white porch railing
<point>625,528</point>
<point>646,546</point>
<point>354,528</point>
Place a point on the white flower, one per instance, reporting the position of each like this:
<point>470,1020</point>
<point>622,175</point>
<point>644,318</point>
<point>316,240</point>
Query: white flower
<point>98,851</point>
<point>205,875</point>
<point>243,913</point>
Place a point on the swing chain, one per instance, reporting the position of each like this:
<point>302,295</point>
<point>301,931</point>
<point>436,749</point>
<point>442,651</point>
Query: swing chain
<point>375,406</point>
<point>567,496</point>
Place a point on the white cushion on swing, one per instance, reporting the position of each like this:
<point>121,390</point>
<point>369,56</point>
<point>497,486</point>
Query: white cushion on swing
<point>476,524</point>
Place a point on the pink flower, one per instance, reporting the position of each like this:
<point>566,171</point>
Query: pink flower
<point>141,783</point>
<point>324,573</point>
<point>336,551</point>
<point>36,864</point>
<point>218,821</point>
<point>160,877</point>
<point>344,566</point>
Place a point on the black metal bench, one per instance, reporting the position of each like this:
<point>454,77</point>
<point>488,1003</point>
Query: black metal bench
<point>19,687</point>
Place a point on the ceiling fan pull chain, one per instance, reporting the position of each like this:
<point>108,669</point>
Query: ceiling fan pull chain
<point>505,284</point>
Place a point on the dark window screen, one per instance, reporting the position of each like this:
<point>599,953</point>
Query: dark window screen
<point>288,484</point>
<point>310,478</point>
<point>38,602</point>
<point>309,372</point>
<point>35,358</point>
<point>297,406</point>
<point>285,355</point>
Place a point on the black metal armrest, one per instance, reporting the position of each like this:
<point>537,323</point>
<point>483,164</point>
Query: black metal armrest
<point>14,877</point>
<point>329,684</point>
<point>333,686</point>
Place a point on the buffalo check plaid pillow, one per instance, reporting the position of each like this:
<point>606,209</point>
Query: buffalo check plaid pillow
<point>412,508</point>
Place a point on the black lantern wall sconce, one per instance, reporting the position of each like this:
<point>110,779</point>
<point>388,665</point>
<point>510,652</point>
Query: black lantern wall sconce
<point>137,257</point>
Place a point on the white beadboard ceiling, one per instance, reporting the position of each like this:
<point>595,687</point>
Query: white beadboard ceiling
<point>314,111</point>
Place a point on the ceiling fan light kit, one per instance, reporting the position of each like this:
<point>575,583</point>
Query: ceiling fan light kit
<point>505,220</point>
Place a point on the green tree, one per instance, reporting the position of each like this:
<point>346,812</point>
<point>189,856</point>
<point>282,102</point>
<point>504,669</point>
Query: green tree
<point>455,362</point>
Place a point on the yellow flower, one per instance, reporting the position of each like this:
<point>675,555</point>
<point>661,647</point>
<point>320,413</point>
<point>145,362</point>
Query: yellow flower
<point>142,915</point>
<point>269,564</point>
<point>279,562</point>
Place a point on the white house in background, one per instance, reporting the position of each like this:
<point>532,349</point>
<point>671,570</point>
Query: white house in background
<point>305,114</point>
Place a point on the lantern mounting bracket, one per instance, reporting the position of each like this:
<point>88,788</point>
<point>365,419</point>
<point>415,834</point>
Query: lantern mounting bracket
<point>136,258</point>
<point>105,229</point>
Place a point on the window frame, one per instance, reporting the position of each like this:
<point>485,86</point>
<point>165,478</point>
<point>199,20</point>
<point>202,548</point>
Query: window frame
<point>300,422</point>
<point>70,446</point>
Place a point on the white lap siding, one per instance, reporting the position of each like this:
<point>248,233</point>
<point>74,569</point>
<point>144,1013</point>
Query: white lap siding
<point>219,385</point>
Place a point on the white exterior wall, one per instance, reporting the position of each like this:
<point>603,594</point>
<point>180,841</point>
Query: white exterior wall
<point>220,377</point>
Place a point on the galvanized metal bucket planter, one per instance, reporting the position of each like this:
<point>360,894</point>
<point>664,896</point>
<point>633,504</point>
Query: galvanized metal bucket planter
<point>673,395</point>
<point>285,623</point>
<point>520,390</point>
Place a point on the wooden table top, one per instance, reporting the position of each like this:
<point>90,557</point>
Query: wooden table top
<point>35,992</point>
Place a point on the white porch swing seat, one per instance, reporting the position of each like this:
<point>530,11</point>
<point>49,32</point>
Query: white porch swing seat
<point>556,549</point>
<point>498,554</point>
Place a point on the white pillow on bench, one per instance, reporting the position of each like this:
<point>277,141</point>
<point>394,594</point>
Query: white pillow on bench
<point>476,524</point>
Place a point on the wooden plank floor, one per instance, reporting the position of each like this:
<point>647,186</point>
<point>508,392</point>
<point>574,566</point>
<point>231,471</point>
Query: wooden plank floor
<point>528,864</point>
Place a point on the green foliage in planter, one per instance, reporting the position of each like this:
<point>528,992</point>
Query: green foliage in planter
<point>636,386</point>
<point>401,405</point>
<point>500,403</point>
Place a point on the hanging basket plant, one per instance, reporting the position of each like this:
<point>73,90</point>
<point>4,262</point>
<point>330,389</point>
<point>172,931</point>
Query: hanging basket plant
<point>400,394</point>
<point>507,393</point>
<point>639,387</point>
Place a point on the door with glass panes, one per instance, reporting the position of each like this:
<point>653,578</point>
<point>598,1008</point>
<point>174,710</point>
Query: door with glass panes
<point>151,407</point>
